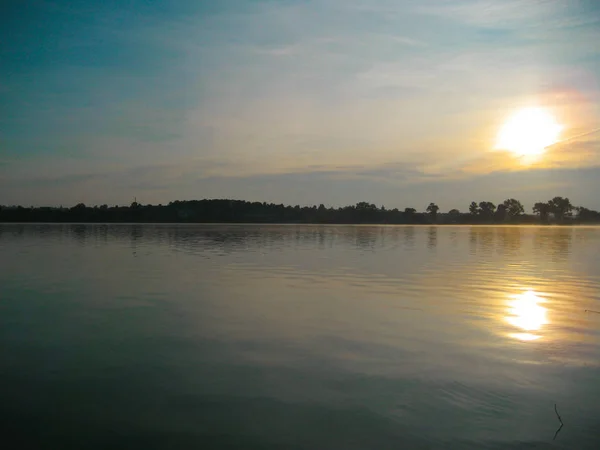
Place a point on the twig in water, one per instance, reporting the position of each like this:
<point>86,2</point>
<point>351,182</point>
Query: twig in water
<point>592,311</point>
<point>557,414</point>
<point>560,420</point>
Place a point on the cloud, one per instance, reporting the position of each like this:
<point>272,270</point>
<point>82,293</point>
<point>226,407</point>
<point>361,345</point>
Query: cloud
<point>572,154</point>
<point>382,93</point>
<point>496,14</point>
<point>78,180</point>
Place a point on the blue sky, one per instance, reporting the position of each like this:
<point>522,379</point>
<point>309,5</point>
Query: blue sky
<point>395,102</point>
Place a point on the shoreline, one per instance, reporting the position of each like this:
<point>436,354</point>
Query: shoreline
<point>312,224</point>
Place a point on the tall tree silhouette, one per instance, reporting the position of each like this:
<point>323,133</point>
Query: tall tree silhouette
<point>501,213</point>
<point>514,208</point>
<point>486,210</point>
<point>561,208</point>
<point>433,209</point>
<point>473,209</point>
<point>542,210</point>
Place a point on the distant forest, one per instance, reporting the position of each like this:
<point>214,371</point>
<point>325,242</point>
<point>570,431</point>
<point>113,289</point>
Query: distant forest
<point>558,210</point>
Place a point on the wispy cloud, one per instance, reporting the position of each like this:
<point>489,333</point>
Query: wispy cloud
<point>581,152</point>
<point>491,13</point>
<point>378,92</point>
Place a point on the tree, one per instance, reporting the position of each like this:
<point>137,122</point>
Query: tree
<point>366,212</point>
<point>513,208</point>
<point>542,210</point>
<point>79,207</point>
<point>561,208</point>
<point>224,210</point>
<point>587,215</point>
<point>487,209</point>
<point>409,215</point>
<point>454,215</point>
<point>433,209</point>
<point>366,206</point>
<point>501,213</point>
<point>473,209</point>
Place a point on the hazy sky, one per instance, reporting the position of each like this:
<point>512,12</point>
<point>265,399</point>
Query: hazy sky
<point>395,102</point>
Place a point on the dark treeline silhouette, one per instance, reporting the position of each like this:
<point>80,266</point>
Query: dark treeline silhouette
<point>558,210</point>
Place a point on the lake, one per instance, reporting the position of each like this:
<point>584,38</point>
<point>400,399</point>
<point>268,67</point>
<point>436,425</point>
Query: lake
<point>299,337</point>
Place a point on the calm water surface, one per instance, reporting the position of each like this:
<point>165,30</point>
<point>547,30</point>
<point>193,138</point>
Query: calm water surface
<point>299,337</point>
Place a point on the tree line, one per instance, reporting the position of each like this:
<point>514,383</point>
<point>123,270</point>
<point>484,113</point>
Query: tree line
<point>558,210</point>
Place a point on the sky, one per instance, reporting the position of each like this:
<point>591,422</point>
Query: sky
<point>394,102</point>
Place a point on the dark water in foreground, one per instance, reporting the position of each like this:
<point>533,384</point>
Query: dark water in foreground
<point>299,337</point>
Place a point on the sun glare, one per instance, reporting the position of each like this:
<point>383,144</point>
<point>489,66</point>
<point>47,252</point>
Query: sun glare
<point>528,132</point>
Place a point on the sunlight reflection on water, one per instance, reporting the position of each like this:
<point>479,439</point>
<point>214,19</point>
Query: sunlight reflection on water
<point>527,313</point>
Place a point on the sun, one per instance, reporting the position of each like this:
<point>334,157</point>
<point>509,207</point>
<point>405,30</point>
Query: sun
<point>528,132</point>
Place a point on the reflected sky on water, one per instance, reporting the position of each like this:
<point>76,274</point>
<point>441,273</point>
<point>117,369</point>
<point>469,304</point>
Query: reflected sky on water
<point>423,337</point>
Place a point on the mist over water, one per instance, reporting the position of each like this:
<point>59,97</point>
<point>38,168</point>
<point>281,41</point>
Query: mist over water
<point>304,337</point>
